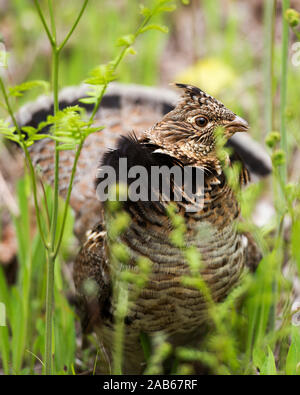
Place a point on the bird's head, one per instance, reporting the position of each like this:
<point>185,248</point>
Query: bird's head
<point>189,129</point>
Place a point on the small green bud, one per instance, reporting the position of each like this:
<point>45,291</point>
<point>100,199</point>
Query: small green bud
<point>291,191</point>
<point>114,205</point>
<point>193,258</point>
<point>3,56</point>
<point>293,17</point>
<point>126,40</point>
<point>289,188</point>
<point>165,350</point>
<point>120,252</point>
<point>118,192</point>
<point>289,113</point>
<point>118,225</point>
<point>178,221</point>
<point>130,51</point>
<point>272,139</point>
<point>144,265</point>
<point>188,354</point>
<point>128,277</point>
<point>193,282</point>
<point>177,238</point>
<point>185,369</point>
<point>90,287</point>
<point>171,210</point>
<point>278,158</point>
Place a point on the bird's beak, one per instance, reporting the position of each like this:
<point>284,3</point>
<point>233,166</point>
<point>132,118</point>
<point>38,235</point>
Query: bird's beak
<point>237,125</point>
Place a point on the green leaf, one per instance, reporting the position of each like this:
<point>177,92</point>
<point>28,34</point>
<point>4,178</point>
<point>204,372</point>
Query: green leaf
<point>146,345</point>
<point>19,90</point>
<point>160,28</point>
<point>5,128</point>
<point>88,100</point>
<point>39,136</point>
<point>93,95</point>
<point>67,128</point>
<point>269,366</point>
<point>66,147</point>
<point>292,366</point>
<point>62,139</point>
<point>260,298</point>
<point>130,51</point>
<point>165,8</point>
<point>126,40</point>
<point>102,75</point>
<point>146,12</point>
<point>29,130</point>
<point>8,132</point>
<point>258,357</point>
<point>160,6</point>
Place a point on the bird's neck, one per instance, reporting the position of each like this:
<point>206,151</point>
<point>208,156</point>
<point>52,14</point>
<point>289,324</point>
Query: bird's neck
<point>184,149</point>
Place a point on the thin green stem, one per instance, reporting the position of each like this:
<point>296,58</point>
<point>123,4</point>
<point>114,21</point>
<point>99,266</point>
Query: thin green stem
<point>61,46</point>
<point>46,206</point>
<point>55,68</point>
<point>283,89</point>
<point>54,218</point>
<point>98,102</point>
<point>49,312</point>
<point>53,27</point>
<point>269,21</point>
<point>123,52</point>
<point>43,20</point>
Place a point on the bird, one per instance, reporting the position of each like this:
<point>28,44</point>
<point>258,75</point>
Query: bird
<point>185,137</point>
<point>128,113</point>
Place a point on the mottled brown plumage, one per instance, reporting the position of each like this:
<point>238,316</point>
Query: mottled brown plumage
<point>185,136</point>
<point>124,108</point>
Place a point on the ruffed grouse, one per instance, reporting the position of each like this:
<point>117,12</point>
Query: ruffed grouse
<point>184,137</point>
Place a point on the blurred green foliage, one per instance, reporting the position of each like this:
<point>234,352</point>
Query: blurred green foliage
<point>91,44</point>
<point>260,335</point>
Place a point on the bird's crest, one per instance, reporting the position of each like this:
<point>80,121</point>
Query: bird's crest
<point>198,95</point>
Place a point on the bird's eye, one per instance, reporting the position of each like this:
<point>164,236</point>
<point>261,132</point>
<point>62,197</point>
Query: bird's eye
<point>201,121</point>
